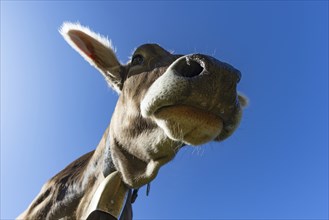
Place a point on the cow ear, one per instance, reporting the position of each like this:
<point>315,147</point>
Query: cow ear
<point>243,100</point>
<point>97,50</point>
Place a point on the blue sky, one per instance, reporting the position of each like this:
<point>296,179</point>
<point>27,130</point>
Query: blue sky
<point>55,106</point>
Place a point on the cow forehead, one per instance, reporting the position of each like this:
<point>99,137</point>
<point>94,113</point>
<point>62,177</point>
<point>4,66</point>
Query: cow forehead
<point>154,58</point>
<point>151,50</point>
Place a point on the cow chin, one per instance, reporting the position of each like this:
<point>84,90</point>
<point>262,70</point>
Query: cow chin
<point>188,124</point>
<point>136,171</point>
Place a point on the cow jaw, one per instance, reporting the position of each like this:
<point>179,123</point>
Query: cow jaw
<point>188,124</point>
<point>139,158</point>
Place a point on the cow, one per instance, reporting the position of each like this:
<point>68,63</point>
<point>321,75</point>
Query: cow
<point>166,101</point>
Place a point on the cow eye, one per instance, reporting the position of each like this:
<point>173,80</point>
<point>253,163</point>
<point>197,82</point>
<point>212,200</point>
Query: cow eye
<point>137,60</point>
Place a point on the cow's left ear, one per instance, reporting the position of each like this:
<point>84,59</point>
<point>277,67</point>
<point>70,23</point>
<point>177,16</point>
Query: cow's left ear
<point>97,50</point>
<point>243,100</point>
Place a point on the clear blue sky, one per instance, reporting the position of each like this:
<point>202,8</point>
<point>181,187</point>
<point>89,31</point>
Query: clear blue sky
<point>55,106</point>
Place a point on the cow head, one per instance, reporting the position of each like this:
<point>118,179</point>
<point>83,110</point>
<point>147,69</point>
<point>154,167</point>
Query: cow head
<point>165,101</point>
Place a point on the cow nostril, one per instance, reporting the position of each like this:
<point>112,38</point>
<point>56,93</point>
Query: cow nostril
<point>188,68</point>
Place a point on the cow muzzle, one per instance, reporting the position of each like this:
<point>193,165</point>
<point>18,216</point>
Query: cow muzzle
<point>195,101</point>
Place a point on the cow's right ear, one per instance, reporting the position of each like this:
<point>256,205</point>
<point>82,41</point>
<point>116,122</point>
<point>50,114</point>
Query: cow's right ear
<point>97,50</point>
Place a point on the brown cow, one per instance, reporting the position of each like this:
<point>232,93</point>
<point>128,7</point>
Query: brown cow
<point>166,101</point>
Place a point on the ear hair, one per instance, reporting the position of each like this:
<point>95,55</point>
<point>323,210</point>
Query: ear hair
<point>68,26</point>
<point>96,49</point>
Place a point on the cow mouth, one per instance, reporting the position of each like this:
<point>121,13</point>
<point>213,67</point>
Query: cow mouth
<point>188,124</point>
